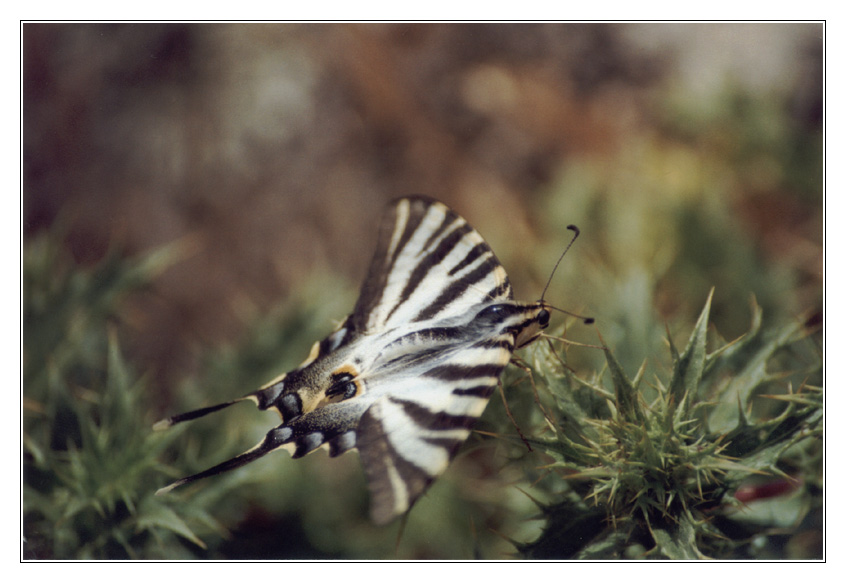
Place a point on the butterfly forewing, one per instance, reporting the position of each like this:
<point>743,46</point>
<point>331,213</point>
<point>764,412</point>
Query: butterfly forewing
<point>429,263</point>
<point>405,377</point>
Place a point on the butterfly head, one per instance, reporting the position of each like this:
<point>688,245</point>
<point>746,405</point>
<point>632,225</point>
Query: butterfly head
<point>524,322</point>
<point>536,321</point>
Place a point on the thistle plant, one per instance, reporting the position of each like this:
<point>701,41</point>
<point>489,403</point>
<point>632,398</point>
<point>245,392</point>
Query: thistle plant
<point>653,470</point>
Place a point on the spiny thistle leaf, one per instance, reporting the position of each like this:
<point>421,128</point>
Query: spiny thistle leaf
<point>688,366</point>
<point>154,514</point>
<point>625,391</point>
<point>677,542</point>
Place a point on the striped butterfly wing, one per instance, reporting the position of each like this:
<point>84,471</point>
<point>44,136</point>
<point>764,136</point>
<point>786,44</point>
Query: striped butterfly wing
<point>406,375</point>
<point>429,263</point>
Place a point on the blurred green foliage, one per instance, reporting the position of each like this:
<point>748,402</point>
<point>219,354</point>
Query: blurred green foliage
<point>89,459</point>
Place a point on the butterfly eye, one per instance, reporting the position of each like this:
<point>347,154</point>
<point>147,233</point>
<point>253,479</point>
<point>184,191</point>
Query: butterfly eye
<point>343,387</point>
<point>543,318</point>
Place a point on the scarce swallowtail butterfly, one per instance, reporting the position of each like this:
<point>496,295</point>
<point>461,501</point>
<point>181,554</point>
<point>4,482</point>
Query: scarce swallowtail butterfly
<point>407,374</point>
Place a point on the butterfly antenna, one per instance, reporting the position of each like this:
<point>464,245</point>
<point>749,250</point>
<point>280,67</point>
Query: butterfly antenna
<point>576,233</point>
<point>584,319</point>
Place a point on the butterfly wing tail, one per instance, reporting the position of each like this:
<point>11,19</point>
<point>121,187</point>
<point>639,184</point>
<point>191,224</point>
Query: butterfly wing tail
<point>263,399</point>
<point>274,440</point>
<point>171,421</point>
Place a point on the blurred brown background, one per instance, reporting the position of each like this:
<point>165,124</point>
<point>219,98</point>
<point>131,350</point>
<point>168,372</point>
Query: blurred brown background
<point>272,148</point>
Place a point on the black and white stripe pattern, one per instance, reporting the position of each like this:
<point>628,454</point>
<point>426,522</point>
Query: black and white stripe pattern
<point>429,264</point>
<point>405,377</point>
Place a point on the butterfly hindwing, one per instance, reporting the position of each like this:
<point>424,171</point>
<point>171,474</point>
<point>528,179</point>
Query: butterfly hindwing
<point>408,437</point>
<point>405,377</point>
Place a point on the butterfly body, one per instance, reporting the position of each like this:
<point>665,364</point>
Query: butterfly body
<point>406,375</point>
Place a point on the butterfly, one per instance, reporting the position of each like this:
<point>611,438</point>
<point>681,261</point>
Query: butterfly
<point>404,377</point>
